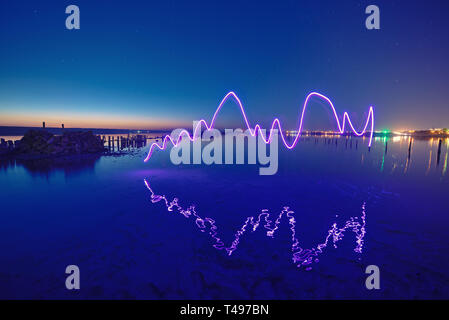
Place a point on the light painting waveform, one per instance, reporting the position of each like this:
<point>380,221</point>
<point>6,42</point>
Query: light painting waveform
<point>300,256</point>
<point>276,122</point>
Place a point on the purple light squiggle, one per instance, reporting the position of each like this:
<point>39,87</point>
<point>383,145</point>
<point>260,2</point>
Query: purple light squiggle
<point>300,256</point>
<point>257,128</point>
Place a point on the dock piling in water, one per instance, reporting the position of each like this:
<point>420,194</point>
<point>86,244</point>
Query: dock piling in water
<point>439,151</point>
<point>410,147</point>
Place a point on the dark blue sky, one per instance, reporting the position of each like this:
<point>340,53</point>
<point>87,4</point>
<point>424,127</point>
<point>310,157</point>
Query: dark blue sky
<point>164,63</point>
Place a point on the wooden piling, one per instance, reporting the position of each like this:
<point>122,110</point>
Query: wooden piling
<point>410,147</point>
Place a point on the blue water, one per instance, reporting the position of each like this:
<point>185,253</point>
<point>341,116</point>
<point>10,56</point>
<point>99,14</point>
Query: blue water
<point>97,213</point>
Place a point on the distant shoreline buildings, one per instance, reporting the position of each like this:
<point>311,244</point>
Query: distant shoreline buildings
<point>429,133</point>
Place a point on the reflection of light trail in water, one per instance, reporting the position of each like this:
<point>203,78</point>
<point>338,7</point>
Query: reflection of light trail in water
<point>430,162</point>
<point>257,128</point>
<point>301,257</point>
<point>445,164</point>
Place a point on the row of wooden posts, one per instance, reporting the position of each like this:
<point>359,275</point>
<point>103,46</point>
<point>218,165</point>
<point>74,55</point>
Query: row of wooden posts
<point>331,141</point>
<point>122,142</point>
<point>348,142</point>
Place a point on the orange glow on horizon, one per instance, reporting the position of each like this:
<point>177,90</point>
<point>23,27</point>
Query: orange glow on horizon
<point>93,121</point>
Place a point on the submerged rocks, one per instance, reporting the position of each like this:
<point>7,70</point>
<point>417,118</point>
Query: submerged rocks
<point>43,143</point>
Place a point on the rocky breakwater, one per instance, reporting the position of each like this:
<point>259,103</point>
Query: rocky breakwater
<point>40,143</point>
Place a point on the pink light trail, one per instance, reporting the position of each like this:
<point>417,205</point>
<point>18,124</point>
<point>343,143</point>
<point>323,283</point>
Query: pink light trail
<point>257,128</point>
<point>302,257</point>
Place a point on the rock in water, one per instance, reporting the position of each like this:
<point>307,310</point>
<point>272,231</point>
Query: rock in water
<point>41,142</point>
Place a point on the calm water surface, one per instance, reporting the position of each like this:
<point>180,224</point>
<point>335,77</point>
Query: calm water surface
<point>97,213</point>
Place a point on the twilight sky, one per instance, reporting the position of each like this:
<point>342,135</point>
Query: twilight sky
<point>159,64</point>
